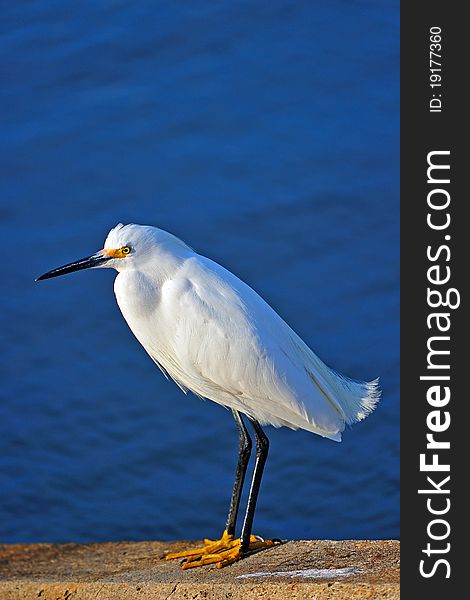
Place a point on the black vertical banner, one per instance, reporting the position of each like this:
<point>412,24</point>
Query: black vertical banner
<point>435,354</point>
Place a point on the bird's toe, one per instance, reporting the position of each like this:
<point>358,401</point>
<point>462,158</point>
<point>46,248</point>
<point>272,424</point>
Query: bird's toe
<point>221,552</point>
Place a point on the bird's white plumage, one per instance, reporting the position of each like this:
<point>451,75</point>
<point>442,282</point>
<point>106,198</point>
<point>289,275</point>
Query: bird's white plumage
<point>218,338</point>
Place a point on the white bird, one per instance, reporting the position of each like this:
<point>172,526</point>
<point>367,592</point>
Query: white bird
<point>215,336</point>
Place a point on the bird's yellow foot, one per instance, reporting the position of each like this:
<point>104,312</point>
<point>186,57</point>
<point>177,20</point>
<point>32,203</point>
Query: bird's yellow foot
<point>221,552</point>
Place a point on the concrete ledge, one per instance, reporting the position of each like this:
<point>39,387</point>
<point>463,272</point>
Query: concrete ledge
<point>324,569</point>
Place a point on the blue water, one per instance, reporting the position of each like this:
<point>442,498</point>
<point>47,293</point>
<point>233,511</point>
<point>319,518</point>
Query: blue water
<point>266,136</point>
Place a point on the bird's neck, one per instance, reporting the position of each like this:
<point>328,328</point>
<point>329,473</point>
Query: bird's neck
<point>162,263</point>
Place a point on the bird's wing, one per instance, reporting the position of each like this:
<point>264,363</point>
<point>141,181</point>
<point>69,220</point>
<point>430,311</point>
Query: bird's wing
<point>223,342</point>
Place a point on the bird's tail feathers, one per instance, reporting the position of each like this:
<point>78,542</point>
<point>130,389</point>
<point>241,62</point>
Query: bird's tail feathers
<point>357,398</point>
<point>352,400</point>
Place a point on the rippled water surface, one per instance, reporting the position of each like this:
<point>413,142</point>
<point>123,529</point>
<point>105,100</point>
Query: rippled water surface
<point>266,136</point>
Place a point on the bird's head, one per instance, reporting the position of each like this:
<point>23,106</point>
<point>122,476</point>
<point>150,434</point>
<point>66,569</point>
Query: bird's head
<point>126,247</point>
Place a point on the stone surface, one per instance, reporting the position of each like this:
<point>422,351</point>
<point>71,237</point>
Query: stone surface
<point>317,570</point>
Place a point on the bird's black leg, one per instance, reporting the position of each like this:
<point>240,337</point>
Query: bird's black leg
<point>244,452</point>
<point>227,550</point>
<point>262,448</point>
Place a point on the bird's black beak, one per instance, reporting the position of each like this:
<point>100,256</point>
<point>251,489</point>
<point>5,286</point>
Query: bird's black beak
<point>95,260</point>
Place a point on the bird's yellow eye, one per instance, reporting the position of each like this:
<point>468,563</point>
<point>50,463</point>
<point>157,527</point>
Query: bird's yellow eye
<point>117,252</point>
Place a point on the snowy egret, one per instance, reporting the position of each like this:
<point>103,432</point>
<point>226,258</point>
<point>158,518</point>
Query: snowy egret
<point>215,336</point>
